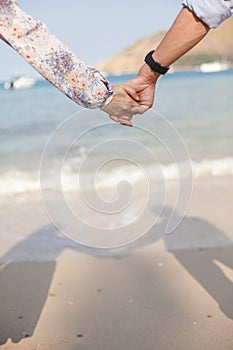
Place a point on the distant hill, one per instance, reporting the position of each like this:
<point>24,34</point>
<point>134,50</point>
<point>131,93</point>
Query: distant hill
<point>217,46</point>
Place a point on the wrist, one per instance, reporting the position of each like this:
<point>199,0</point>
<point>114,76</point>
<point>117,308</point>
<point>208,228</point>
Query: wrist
<point>155,65</point>
<point>150,76</point>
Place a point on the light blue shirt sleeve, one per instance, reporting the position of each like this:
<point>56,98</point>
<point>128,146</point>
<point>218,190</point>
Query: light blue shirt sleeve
<point>211,12</point>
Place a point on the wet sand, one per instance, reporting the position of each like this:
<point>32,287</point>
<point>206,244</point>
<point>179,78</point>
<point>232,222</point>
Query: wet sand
<point>163,292</point>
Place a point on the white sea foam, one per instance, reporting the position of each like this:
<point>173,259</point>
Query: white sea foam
<point>213,168</point>
<point>16,182</point>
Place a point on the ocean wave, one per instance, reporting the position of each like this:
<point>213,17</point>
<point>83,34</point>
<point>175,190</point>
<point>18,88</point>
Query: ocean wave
<point>16,182</point>
<point>213,168</point>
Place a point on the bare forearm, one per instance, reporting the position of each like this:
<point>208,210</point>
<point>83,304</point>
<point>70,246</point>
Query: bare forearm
<point>186,32</point>
<point>189,28</point>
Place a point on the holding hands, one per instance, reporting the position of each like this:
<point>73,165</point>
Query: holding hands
<point>135,96</point>
<point>86,86</point>
<point>120,108</point>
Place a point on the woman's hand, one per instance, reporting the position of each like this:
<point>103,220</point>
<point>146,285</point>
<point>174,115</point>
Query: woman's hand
<point>120,108</point>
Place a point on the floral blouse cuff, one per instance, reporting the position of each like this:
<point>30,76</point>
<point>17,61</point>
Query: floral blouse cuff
<point>51,58</point>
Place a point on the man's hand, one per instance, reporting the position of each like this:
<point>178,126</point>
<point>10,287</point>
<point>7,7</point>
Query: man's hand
<point>135,96</point>
<point>144,86</point>
<point>120,109</point>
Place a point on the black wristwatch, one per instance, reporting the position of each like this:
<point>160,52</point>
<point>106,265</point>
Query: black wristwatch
<point>155,66</point>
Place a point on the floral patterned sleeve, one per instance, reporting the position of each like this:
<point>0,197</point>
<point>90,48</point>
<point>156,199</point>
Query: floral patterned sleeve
<point>51,58</point>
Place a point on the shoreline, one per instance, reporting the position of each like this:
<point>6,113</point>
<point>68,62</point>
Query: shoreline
<point>19,222</point>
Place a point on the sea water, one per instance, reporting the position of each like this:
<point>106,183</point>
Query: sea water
<point>193,107</point>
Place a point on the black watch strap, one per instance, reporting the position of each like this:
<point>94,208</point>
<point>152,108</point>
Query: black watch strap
<point>155,66</point>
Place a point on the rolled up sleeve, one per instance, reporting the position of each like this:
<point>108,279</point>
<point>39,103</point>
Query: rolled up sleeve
<point>211,12</point>
<point>51,58</point>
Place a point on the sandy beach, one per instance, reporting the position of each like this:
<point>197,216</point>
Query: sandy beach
<point>113,237</point>
<point>163,292</point>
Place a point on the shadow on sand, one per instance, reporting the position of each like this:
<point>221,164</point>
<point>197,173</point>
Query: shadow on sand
<point>27,270</point>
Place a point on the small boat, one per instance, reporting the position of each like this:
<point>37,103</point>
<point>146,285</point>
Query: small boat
<point>213,67</point>
<point>20,83</point>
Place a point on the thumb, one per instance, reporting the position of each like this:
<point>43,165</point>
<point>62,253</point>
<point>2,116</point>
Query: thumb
<point>131,92</point>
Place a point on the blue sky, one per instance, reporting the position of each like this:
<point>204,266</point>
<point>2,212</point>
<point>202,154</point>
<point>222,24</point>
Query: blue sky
<point>95,30</point>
